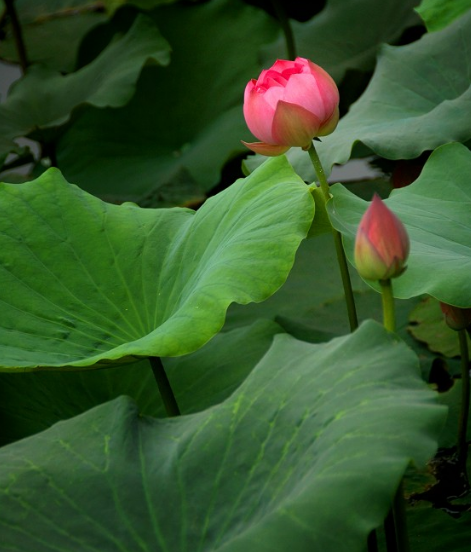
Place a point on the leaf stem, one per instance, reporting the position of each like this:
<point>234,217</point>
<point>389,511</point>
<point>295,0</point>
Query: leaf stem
<point>464,410</point>
<point>166,392</point>
<point>18,34</point>
<point>389,313</point>
<point>285,27</point>
<point>341,259</point>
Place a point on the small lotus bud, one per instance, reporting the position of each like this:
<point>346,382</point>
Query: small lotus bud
<point>382,244</point>
<point>455,317</point>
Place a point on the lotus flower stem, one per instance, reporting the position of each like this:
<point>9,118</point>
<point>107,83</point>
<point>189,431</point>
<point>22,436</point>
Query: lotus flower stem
<point>285,24</point>
<point>342,260</point>
<point>389,313</point>
<point>395,526</point>
<point>166,392</point>
<point>372,542</point>
<point>390,532</point>
<point>316,162</point>
<point>399,511</point>
<point>17,33</point>
<point>397,515</point>
<point>464,410</point>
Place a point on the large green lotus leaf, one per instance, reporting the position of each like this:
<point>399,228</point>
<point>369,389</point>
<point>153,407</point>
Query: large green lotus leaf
<point>305,455</point>
<point>329,317</point>
<point>418,99</point>
<point>52,30</point>
<point>437,14</point>
<point>452,399</point>
<point>83,281</point>
<point>211,374</point>
<point>185,120</point>
<point>436,211</point>
<point>338,39</point>
<point>45,98</point>
<point>437,529</point>
<point>311,305</point>
<point>31,402</point>
<point>313,281</point>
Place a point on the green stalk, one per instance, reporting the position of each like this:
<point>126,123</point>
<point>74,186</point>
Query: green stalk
<point>464,410</point>
<point>389,313</point>
<point>17,33</point>
<point>341,259</point>
<point>372,542</point>
<point>399,511</point>
<point>316,162</point>
<point>168,398</point>
<point>285,27</point>
<point>397,516</point>
<point>390,533</point>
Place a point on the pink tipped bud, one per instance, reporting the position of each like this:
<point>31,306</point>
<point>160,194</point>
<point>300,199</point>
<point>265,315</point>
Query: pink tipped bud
<point>382,244</point>
<point>456,318</point>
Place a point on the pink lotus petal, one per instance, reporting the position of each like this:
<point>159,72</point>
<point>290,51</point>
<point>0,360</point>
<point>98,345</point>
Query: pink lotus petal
<point>330,125</point>
<point>273,76</point>
<point>328,92</point>
<point>259,115</point>
<point>248,89</point>
<point>273,95</point>
<point>270,150</point>
<point>294,125</point>
<point>261,78</point>
<point>286,65</point>
<point>302,90</point>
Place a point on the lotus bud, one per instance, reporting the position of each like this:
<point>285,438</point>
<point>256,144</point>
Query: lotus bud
<point>382,244</point>
<point>455,317</point>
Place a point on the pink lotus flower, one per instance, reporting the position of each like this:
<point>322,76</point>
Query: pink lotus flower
<point>456,318</point>
<point>382,244</point>
<point>290,104</point>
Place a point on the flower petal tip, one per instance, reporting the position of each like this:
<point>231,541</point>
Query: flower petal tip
<point>270,150</point>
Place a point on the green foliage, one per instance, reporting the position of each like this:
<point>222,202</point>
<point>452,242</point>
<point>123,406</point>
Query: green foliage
<point>305,455</point>
<point>313,281</point>
<point>436,212</point>
<point>284,444</point>
<point>347,34</point>
<point>449,533</point>
<point>184,122</point>
<point>31,402</point>
<point>52,30</point>
<point>417,100</point>
<point>96,282</point>
<point>437,14</point>
<point>429,326</point>
<point>44,98</point>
